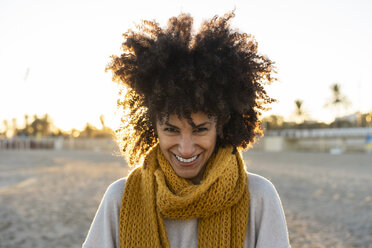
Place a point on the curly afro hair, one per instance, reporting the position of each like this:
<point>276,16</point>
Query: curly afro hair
<point>174,71</point>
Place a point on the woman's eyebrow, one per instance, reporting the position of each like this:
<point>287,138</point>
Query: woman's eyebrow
<point>196,126</point>
<point>170,125</point>
<point>202,124</point>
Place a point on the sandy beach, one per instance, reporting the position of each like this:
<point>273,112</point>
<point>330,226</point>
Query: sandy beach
<point>49,198</point>
<point>327,198</point>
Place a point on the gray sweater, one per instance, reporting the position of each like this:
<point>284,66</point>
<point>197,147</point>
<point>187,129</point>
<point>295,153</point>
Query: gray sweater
<point>266,227</point>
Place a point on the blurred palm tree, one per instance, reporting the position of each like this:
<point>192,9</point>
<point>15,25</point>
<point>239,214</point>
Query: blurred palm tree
<point>27,130</point>
<point>338,100</point>
<point>102,119</point>
<point>6,127</point>
<point>88,132</point>
<point>300,113</point>
<point>26,120</point>
<point>14,127</point>
<point>41,126</point>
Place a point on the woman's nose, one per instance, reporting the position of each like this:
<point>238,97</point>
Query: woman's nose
<point>186,146</point>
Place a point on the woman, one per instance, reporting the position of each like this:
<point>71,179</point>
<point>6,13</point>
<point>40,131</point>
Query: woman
<point>192,103</point>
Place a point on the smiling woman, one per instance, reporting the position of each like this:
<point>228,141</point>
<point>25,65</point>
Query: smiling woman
<point>193,103</point>
<point>188,147</point>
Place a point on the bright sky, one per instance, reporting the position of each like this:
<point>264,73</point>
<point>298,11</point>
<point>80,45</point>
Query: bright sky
<point>53,52</point>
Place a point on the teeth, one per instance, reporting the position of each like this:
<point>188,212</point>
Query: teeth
<point>188,160</point>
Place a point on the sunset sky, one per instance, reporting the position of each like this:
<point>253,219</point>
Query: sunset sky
<point>53,53</point>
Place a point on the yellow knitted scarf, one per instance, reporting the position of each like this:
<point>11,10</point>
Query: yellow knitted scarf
<point>220,202</point>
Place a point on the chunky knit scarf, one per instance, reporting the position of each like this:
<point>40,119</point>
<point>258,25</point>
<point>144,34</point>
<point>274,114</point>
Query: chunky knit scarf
<point>220,202</point>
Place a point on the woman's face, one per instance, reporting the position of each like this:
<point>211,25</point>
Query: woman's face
<point>188,148</point>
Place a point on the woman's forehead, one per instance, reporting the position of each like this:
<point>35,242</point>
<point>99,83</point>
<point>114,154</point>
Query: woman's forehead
<point>195,119</point>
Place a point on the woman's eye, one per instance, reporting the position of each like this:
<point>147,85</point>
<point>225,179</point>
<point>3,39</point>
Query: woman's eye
<point>201,129</point>
<point>170,130</point>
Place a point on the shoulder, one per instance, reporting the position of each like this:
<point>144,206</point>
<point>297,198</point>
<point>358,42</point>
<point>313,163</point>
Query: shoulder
<point>111,200</point>
<point>104,228</point>
<point>267,220</point>
<point>263,195</point>
<point>260,187</point>
<point>115,190</point>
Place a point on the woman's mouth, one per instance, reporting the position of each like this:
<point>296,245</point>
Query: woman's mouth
<point>186,160</point>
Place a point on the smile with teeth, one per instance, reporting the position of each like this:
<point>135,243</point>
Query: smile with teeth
<point>186,160</point>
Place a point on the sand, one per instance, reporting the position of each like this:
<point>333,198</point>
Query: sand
<point>327,198</point>
<point>49,198</point>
